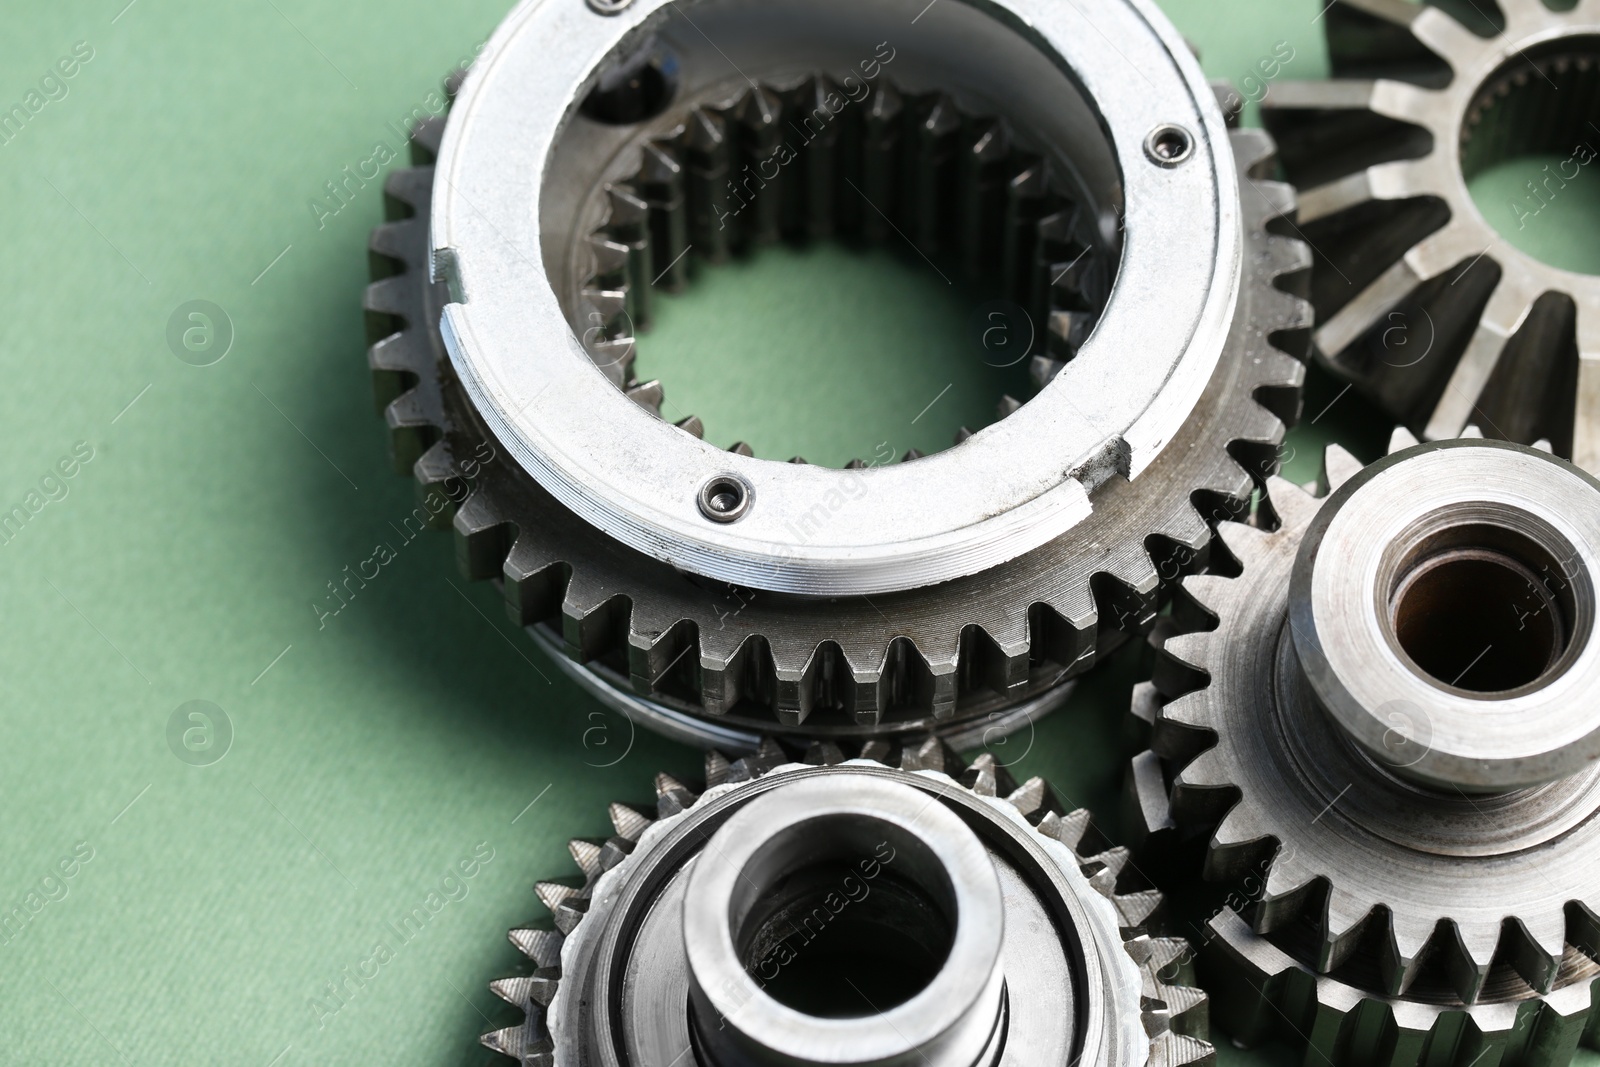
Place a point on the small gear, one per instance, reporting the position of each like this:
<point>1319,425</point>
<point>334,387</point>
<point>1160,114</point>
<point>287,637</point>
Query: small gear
<point>717,661</point>
<point>1419,299</point>
<point>740,924</point>
<point>1383,733</point>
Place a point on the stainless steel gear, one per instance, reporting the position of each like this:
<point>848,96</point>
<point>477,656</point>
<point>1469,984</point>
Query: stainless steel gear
<point>1419,300</point>
<point>893,908</point>
<point>713,630</point>
<point>1387,726</point>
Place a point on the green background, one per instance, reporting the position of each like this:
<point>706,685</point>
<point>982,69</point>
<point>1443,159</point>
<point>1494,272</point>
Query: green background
<point>374,751</point>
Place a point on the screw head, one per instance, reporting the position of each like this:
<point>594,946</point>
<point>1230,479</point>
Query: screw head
<point>725,498</point>
<point>1169,145</point>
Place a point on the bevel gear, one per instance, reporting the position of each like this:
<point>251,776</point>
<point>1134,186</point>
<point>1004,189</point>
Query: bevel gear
<point>1384,732</point>
<point>711,657</point>
<point>1419,300</point>
<point>1005,910</point>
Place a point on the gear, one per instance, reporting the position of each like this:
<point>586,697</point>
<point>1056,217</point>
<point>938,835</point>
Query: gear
<point>995,920</point>
<point>1404,802</point>
<point>726,662</point>
<point>1419,300</point>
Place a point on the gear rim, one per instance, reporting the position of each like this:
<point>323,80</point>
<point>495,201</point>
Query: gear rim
<point>1157,1018</point>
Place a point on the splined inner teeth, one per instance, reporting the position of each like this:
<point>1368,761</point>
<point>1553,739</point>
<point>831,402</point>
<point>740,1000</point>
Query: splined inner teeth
<point>1535,105</point>
<point>871,166</point>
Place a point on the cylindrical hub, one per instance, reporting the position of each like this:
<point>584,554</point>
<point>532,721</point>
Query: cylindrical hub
<point>845,922</point>
<point>1443,610</point>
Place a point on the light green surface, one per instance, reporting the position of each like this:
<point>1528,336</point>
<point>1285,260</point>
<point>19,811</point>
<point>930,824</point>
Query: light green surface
<point>378,748</point>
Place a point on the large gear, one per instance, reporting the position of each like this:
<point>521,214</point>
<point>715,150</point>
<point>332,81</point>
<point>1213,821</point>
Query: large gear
<point>1383,732</point>
<point>726,663</point>
<point>1419,300</point>
<point>672,948</point>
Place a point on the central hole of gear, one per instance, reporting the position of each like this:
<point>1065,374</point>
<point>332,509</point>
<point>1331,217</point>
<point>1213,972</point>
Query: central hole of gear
<point>910,272</point>
<point>1481,619</point>
<point>844,925</point>
<point>1530,145</point>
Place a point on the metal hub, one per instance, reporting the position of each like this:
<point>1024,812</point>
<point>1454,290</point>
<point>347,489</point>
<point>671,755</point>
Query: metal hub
<point>1372,758</point>
<point>851,913</point>
<point>1419,299</point>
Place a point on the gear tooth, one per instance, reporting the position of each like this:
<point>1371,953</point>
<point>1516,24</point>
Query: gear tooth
<point>1008,406</point>
<point>1069,829</point>
<point>542,946</point>
<point>1126,590</point>
<point>512,1042</point>
<point>1534,947</point>
<point>1288,892</point>
<point>987,776</point>
<point>483,538</point>
<point>586,854</point>
<point>1402,439</point>
<point>739,448</point>
<point>514,991</point>
<point>1146,703</point>
<point>672,796</point>
<point>1043,370</point>
<point>1338,467</point>
<point>856,465</point>
<point>1403,953</point>
<point>629,824</point>
<point>932,754</point>
<point>1135,909</point>
<point>1247,544</point>
<point>692,426</point>
<point>824,754</point>
<point>1469,954</point>
<point>1235,843</point>
<point>1112,861</point>
<point>1583,928</point>
<point>878,751</point>
<point>554,894</point>
<point>647,395</point>
<point>1180,1050</point>
<point>594,620</point>
<point>1543,445</point>
<point>1033,797</point>
<point>718,769</point>
<point>660,649</point>
<point>1343,924</point>
<point>1293,507</point>
<point>961,435</point>
<point>1472,432</point>
<point>912,454</point>
<point>771,754</point>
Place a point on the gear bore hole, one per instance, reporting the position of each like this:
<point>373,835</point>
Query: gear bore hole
<point>1483,611</point>
<point>1529,152</point>
<point>844,924</point>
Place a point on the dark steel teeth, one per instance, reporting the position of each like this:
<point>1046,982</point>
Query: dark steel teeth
<point>877,167</point>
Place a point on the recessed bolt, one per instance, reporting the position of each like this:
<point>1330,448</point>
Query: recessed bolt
<point>1169,145</point>
<point>725,498</point>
